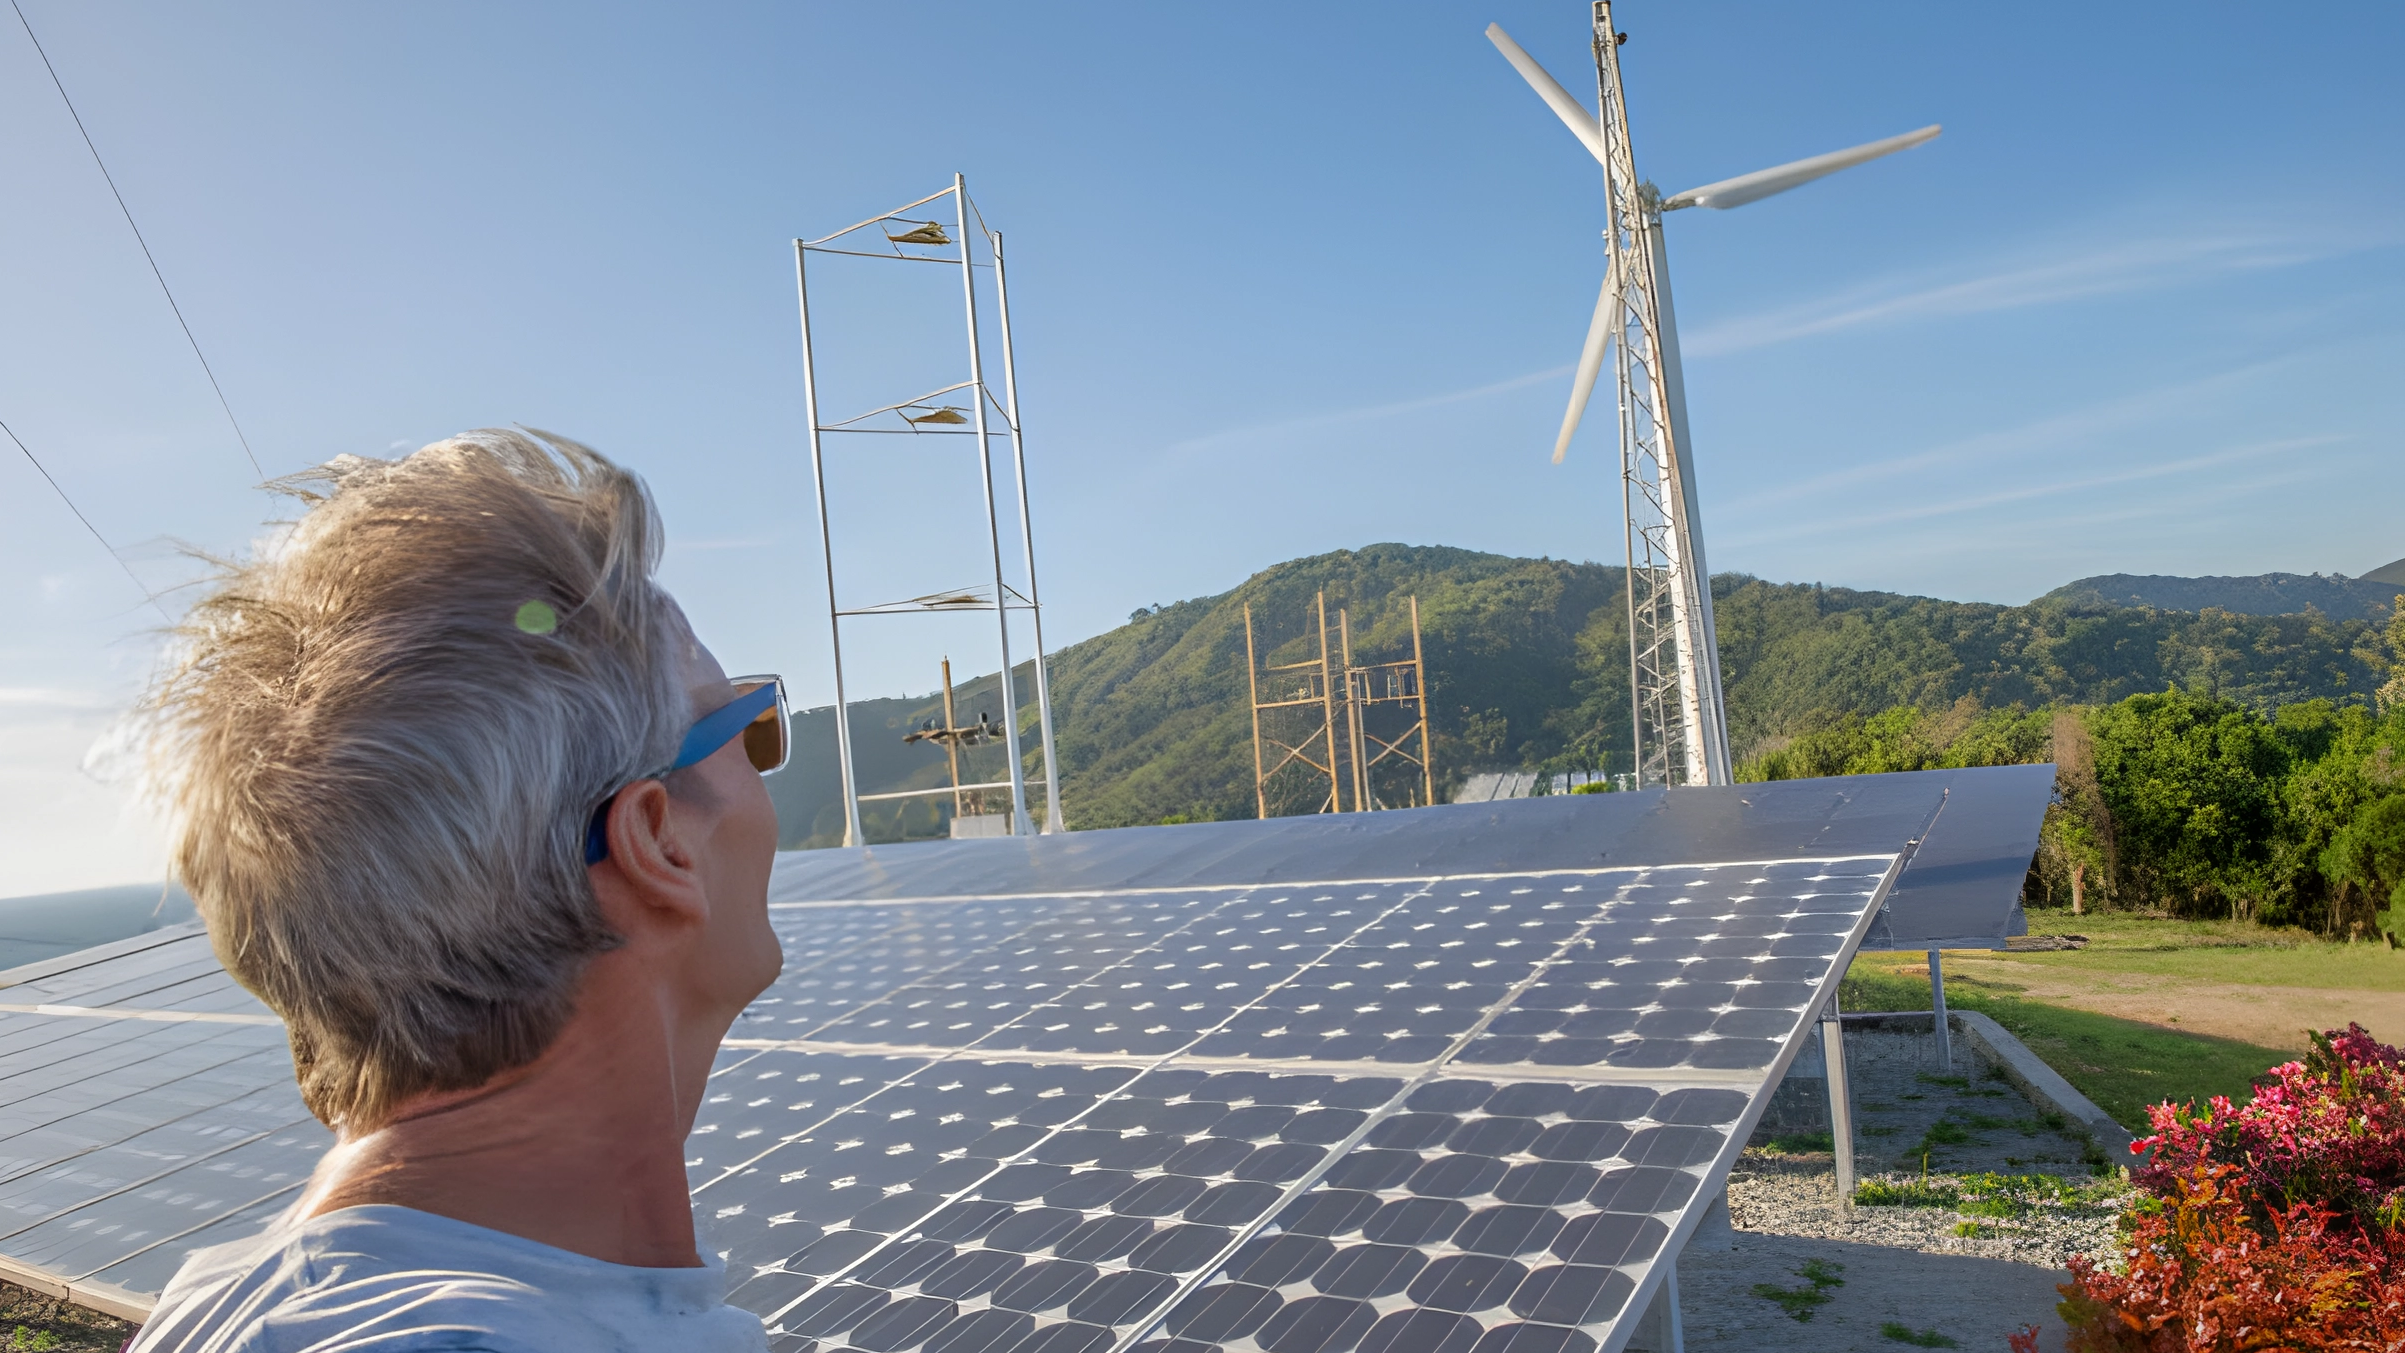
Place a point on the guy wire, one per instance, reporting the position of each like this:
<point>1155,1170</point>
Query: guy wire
<point>87,521</point>
<point>111,180</point>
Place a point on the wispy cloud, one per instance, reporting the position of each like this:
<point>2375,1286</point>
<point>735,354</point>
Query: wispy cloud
<point>2149,263</point>
<point>53,698</point>
<point>1833,525</point>
<point>2015,444</point>
<point>1364,413</point>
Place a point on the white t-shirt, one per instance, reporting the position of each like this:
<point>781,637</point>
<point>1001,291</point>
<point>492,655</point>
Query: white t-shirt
<point>385,1279</point>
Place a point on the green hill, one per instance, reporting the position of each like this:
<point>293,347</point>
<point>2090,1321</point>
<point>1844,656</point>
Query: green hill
<point>1528,669</point>
<point>2370,597</point>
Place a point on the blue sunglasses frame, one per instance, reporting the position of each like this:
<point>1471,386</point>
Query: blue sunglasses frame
<point>709,733</point>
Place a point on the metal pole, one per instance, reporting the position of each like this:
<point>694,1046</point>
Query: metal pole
<point>1628,540</point>
<point>1937,1006</point>
<point>1352,714</point>
<point>852,835</point>
<point>1252,681</point>
<point>1054,819</point>
<point>1710,704</point>
<point>1327,704</point>
<point>1841,1108</point>
<point>1674,1333</point>
<point>952,740</point>
<point>1419,678</point>
<point>993,519</point>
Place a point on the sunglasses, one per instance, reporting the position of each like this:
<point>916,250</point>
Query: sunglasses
<point>757,715</point>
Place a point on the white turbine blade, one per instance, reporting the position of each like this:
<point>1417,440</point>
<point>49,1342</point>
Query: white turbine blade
<point>1590,360</point>
<point>1572,113</point>
<point>1762,183</point>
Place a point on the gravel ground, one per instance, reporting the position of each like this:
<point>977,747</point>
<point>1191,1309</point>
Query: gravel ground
<point>1970,1271</point>
<point>31,1321</point>
<point>1797,1196</point>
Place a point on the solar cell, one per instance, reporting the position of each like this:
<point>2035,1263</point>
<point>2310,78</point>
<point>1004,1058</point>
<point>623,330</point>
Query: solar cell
<point>1451,1078</point>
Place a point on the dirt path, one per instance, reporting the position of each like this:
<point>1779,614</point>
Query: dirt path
<point>2271,1017</point>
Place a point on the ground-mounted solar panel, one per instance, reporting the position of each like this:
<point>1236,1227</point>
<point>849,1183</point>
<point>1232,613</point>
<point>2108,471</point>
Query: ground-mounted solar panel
<point>1452,1080</point>
<point>1397,1114</point>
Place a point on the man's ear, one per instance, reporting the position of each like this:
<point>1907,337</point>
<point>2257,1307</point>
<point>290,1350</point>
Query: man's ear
<point>652,873</point>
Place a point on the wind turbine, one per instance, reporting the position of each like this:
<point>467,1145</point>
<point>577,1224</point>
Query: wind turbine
<point>1681,720</point>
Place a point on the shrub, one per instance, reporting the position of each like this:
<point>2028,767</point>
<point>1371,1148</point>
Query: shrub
<point>2329,1130</point>
<point>2205,1272</point>
<point>2277,1224</point>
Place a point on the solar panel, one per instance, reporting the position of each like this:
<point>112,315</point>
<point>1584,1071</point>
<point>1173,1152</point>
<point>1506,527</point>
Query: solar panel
<point>1392,1114</point>
<point>1447,1079</point>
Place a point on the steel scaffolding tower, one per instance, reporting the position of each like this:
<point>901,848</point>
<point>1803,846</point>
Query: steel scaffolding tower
<point>925,241</point>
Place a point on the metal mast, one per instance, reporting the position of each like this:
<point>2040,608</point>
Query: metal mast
<point>1682,729</point>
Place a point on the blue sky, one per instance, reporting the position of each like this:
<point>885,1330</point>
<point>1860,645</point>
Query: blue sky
<point>1285,279</point>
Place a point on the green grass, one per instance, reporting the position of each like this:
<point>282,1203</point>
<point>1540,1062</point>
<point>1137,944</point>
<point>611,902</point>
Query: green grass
<point>1910,1193</point>
<point>2120,1064</point>
<point>2235,952</point>
<point>1800,1143</point>
<point>1801,1302</point>
<point>1906,1334</point>
<point>1945,1132</point>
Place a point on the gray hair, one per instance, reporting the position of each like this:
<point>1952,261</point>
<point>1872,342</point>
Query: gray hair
<point>382,739</point>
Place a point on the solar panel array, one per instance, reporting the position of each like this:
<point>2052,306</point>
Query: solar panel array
<point>1434,1114</point>
<point>147,1108</point>
<point>1465,1113</point>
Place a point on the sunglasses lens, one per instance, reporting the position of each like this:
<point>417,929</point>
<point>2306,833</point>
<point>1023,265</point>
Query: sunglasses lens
<point>764,740</point>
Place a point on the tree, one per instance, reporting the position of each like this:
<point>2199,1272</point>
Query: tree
<point>2369,852</point>
<point>2192,784</point>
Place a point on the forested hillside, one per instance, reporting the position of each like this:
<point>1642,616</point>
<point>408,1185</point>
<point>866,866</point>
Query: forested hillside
<point>2366,598</point>
<point>1527,669</point>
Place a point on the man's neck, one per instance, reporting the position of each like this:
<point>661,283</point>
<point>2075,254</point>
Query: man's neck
<point>582,1149</point>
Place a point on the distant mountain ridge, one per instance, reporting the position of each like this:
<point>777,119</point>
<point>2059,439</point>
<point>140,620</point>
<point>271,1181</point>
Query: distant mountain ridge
<point>2369,597</point>
<point>1528,671</point>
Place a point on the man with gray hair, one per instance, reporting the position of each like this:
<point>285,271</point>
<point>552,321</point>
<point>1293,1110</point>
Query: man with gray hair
<point>461,797</point>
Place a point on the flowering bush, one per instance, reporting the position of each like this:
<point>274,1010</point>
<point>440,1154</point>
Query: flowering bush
<point>2279,1224</point>
<point>2329,1130</point>
<point>2206,1273</point>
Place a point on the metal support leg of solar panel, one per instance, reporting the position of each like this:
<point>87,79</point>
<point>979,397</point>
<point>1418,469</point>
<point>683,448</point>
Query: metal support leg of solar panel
<point>1441,1079</point>
<point>1937,1012</point>
<point>896,237</point>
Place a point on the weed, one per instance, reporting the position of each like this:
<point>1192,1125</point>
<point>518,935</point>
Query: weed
<point>1801,1302</point>
<point>1909,1193</point>
<point>1945,1132</point>
<point>1979,1230</point>
<point>1887,1131</point>
<point>1951,1082</point>
<point>31,1340</point>
<point>1912,1096</point>
<point>1905,1334</point>
<point>1800,1143</point>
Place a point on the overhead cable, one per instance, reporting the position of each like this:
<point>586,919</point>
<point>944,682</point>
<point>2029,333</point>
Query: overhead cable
<point>44,470</point>
<point>129,221</point>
